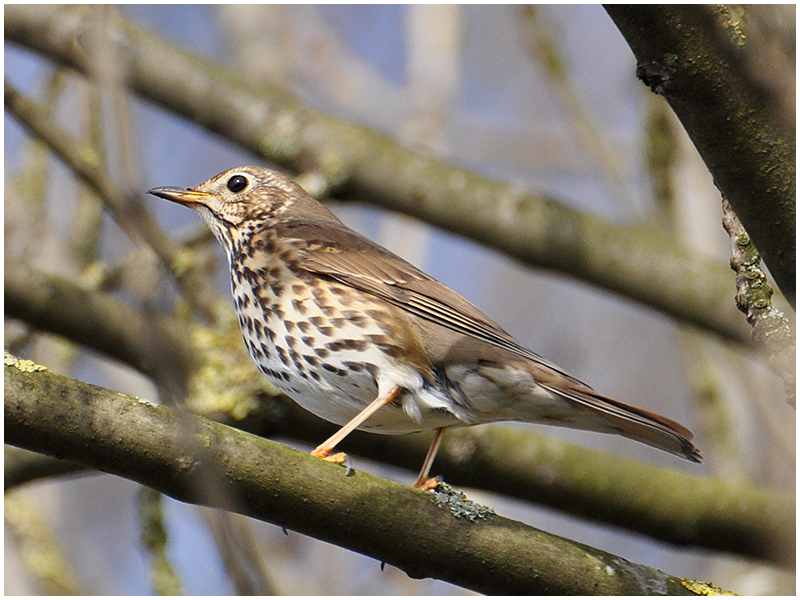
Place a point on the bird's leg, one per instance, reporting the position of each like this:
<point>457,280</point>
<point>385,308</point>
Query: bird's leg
<point>423,481</point>
<point>325,448</point>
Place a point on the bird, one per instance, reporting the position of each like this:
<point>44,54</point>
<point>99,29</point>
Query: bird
<point>364,339</point>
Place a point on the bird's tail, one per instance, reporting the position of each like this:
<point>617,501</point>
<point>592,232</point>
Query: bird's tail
<point>634,423</point>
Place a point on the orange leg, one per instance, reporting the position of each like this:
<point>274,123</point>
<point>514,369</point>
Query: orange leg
<point>422,480</point>
<point>325,448</point>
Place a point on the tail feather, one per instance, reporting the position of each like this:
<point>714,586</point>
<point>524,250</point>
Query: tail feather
<point>635,423</point>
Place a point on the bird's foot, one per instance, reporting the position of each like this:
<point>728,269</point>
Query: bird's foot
<point>427,484</point>
<point>340,458</point>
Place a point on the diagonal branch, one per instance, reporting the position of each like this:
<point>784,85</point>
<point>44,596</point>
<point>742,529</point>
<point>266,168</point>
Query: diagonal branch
<point>685,53</point>
<point>638,262</point>
<point>199,461</point>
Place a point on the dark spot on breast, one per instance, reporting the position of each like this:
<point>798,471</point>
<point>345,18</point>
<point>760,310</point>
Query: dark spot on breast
<point>358,345</point>
<point>282,355</point>
<point>336,370</point>
<point>328,310</point>
<point>299,306</point>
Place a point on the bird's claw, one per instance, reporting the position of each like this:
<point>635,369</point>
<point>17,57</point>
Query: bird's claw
<point>429,484</point>
<point>340,458</point>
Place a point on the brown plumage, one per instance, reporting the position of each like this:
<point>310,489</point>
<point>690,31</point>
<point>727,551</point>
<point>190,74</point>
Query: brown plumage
<point>362,338</point>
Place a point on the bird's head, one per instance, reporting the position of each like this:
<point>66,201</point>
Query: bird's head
<point>245,197</point>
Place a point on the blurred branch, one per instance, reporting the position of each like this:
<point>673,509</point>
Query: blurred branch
<point>540,37</point>
<point>23,466</point>
<point>638,262</point>
<point>128,211</point>
<point>39,547</point>
<point>164,580</point>
<point>696,57</point>
<point>239,552</point>
<point>199,461</point>
<point>606,488</point>
<point>152,344</point>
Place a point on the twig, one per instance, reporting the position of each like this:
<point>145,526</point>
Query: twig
<point>57,305</point>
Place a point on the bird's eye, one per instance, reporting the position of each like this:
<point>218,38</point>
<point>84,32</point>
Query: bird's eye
<point>237,183</point>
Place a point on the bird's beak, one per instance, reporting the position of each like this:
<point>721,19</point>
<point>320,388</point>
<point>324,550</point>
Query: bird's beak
<point>180,195</point>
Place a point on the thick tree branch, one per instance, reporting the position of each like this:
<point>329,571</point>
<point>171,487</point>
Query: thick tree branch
<point>605,488</point>
<point>196,460</point>
<point>638,262</point>
<point>685,53</point>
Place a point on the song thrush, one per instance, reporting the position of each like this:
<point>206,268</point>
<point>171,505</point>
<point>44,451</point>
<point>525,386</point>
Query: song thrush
<point>364,339</point>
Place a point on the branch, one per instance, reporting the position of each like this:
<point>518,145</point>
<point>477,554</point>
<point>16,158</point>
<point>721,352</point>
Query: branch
<point>601,487</point>
<point>664,504</point>
<point>684,53</point>
<point>128,211</point>
<point>638,262</point>
<point>195,460</point>
<point>771,328</point>
<point>152,344</point>
<point>23,466</point>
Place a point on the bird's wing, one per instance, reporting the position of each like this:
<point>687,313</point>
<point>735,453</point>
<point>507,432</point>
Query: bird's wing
<point>334,250</point>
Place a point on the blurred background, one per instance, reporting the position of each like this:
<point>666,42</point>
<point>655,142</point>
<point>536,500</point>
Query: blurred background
<point>545,98</point>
